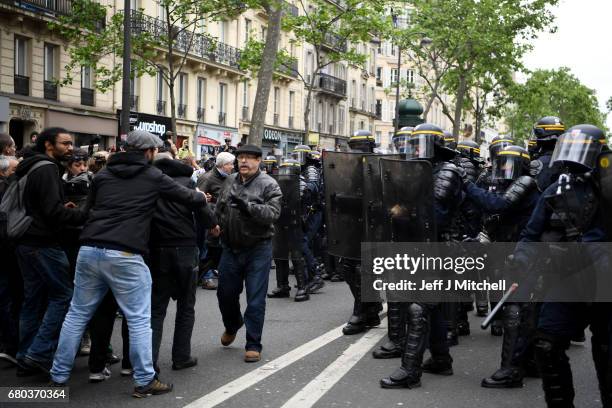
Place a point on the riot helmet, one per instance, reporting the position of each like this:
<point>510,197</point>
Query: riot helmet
<point>579,147</point>
<point>362,141</point>
<point>469,149</point>
<point>315,158</point>
<point>497,144</point>
<point>449,140</point>
<point>427,142</point>
<point>289,167</point>
<point>511,163</point>
<point>301,153</point>
<point>271,164</point>
<point>548,129</point>
<point>400,139</point>
<point>532,146</point>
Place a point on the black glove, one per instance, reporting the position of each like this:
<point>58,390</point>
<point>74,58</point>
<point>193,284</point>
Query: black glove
<point>239,203</point>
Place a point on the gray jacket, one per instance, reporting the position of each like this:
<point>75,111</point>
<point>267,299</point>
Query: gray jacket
<point>245,230</point>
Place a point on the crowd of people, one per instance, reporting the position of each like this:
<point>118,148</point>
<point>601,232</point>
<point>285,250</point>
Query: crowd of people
<point>91,235</point>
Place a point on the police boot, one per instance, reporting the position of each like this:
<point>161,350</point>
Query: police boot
<point>449,311</point>
<point>282,289</point>
<point>356,323</point>
<point>316,282</point>
<point>392,348</point>
<point>440,365</point>
<point>497,328</point>
<point>603,368</point>
<point>409,374</point>
<point>302,293</point>
<point>510,374</point>
<point>463,325</point>
<point>556,373</point>
<point>482,308</point>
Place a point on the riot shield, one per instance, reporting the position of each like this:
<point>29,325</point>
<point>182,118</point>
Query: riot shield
<point>343,176</point>
<point>288,233</point>
<point>408,201</point>
<point>373,213</point>
<point>604,170</point>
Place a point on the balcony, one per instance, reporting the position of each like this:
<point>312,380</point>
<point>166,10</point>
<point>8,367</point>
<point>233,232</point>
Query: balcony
<point>181,110</point>
<point>50,90</point>
<point>335,42</point>
<point>331,85</point>
<point>161,107</point>
<point>290,122</point>
<point>291,70</point>
<point>276,119</point>
<point>134,102</point>
<point>87,96</point>
<point>22,85</point>
<point>222,116</point>
<point>201,113</point>
<point>245,114</point>
<point>47,7</point>
<point>195,44</point>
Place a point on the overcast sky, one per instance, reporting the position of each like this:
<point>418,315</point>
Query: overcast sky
<point>583,42</point>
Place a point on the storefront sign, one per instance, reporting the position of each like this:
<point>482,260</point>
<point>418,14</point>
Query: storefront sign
<point>278,135</point>
<point>158,125</point>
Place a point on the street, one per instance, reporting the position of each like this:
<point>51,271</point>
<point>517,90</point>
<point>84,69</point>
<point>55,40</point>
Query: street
<point>307,362</point>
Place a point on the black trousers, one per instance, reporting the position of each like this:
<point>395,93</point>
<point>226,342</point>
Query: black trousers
<point>174,274</point>
<point>101,331</point>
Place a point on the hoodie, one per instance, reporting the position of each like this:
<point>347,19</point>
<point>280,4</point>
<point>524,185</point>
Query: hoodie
<point>174,223</point>
<point>123,199</point>
<point>44,201</point>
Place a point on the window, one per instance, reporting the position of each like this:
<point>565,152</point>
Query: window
<point>264,30</point>
<point>134,4</point>
<point>378,136</point>
<point>363,96</point>
<point>50,60</point>
<point>245,93</point>
<point>223,29</point>
<point>379,73</point>
<point>353,93</point>
<point>201,95</point>
<point>394,78</point>
<point>21,56</point>
<point>276,100</point>
<point>222,98</point>
<point>371,100</point>
<point>159,84</point>
<point>372,60</point>
<point>340,120</point>
<point>291,108</point>
<point>161,12</point>
<point>361,124</point>
<point>183,89</point>
<point>309,65</point>
<point>247,30</point>
<point>332,119</point>
<point>86,78</point>
<point>410,76</point>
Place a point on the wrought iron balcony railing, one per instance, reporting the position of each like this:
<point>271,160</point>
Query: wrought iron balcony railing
<point>222,118</point>
<point>50,90</point>
<point>332,84</point>
<point>195,44</point>
<point>87,96</point>
<point>201,113</point>
<point>48,7</point>
<point>22,85</point>
<point>335,42</point>
<point>291,69</point>
<point>181,110</point>
<point>161,107</point>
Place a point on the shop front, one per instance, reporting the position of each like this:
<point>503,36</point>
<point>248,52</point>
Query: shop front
<point>210,138</point>
<point>98,132</point>
<point>280,142</point>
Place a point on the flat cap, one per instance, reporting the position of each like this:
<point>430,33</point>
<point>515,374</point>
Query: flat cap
<point>249,149</point>
<point>143,140</point>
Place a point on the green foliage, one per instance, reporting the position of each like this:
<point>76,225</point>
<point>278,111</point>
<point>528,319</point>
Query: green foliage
<point>252,53</point>
<point>551,92</point>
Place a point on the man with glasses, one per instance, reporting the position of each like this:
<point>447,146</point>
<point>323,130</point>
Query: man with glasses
<point>247,207</point>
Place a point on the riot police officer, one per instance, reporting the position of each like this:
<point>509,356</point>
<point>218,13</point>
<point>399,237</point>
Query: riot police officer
<point>310,188</point>
<point>570,210</point>
<point>287,240</point>
<point>506,213</point>
<point>271,165</point>
<point>546,131</point>
<point>425,321</point>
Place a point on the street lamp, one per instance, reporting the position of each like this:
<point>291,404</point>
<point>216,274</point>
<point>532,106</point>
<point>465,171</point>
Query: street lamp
<point>425,41</point>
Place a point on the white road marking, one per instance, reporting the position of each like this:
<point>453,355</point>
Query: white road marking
<point>240,384</point>
<point>314,390</point>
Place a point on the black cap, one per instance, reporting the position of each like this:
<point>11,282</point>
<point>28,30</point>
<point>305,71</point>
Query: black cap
<point>249,149</point>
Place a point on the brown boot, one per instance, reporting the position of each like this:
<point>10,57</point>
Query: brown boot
<point>252,356</point>
<point>227,339</point>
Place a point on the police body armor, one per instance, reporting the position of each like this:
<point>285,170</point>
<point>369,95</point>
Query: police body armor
<point>343,175</point>
<point>407,199</point>
<point>373,212</point>
<point>288,234</point>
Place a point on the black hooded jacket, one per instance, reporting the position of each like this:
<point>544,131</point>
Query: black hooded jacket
<point>174,223</point>
<point>123,199</point>
<point>44,201</point>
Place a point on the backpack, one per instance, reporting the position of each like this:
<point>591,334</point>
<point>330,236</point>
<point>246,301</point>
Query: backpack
<point>14,221</point>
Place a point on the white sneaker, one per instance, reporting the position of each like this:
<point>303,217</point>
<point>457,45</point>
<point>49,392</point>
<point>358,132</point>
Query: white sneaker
<point>126,372</point>
<point>101,376</point>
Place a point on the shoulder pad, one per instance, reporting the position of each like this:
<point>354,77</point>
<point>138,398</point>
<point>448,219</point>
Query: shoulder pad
<point>535,167</point>
<point>520,188</point>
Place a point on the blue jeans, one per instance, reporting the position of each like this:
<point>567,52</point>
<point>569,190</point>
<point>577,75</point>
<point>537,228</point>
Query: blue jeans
<point>129,278</point>
<point>251,266</point>
<point>46,275</point>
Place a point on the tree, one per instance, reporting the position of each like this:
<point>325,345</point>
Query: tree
<point>158,45</point>
<point>609,104</point>
<point>477,39</point>
<point>336,33</point>
<point>551,92</point>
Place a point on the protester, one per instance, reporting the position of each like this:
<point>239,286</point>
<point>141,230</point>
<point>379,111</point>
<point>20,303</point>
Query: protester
<point>7,145</point>
<point>211,183</point>
<point>8,164</point>
<point>114,241</point>
<point>173,262</point>
<point>44,266</point>
<point>248,205</point>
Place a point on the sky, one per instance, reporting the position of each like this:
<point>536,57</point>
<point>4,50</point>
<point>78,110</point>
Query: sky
<point>583,42</point>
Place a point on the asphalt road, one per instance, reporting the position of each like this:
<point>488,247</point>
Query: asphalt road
<point>307,362</point>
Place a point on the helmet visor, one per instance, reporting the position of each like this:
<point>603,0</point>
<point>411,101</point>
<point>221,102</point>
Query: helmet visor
<point>507,167</point>
<point>419,146</point>
<point>300,156</point>
<point>581,149</point>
